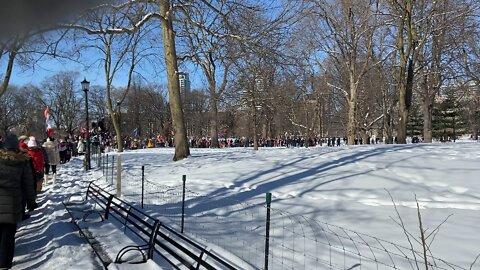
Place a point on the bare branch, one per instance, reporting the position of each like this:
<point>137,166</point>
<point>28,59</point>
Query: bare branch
<point>404,229</point>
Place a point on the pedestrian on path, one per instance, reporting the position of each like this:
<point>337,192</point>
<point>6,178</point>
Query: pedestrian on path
<point>38,158</point>
<point>53,158</point>
<point>15,181</point>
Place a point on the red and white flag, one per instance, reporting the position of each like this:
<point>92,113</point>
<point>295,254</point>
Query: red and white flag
<point>48,122</point>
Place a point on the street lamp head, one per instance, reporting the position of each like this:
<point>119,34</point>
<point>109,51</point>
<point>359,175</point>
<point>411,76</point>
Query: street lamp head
<point>85,85</point>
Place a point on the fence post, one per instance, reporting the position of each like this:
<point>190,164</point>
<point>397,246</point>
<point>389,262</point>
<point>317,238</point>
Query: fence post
<point>106,169</point>
<point>113,165</point>
<point>267,233</point>
<point>99,156</point>
<point>94,154</point>
<point>119,175</point>
<point>184,179</point>
<point>143,182</point>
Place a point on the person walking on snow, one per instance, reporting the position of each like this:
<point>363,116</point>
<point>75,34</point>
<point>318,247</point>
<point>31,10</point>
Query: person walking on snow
<point>38,162</point>
<point>53,158</point>
<point>62,148</point>
<point>80,147</point>
<point>15,181</point>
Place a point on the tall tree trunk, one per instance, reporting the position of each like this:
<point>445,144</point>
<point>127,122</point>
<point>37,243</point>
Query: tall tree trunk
<point>427,120</point>
<point>402,118</point>
<point>404,75</point>
<point>402,105</point>
<point>364,136</point>
<point>405,102</point>
<point>352,111</point>
<point>8,72</point>
<point>117,125</point>
<point>114,112</point>
<point>264,130</point>
<point>475,132</point>
<point>388,128</point>
<point>351,123</point>
<point>255,137</point>
<point>307,122</point>
<point>432,84</point>
<point>213,119</point>
<point>169,51</point>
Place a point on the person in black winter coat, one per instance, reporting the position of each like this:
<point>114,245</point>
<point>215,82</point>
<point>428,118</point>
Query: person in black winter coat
<point>15,181</point>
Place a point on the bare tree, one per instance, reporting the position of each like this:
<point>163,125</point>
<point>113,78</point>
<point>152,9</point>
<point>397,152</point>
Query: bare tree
<point>211,54</point>
<point>21,111</point>
<point>471,104</point>
<point>197,111</point>
<point>158,110</point>
<point>182,149</point>
<point>164,10</point>
<point>346,33</point>
<point>256,75</point>
<point>470,64</point>
<point>413,28</point>
<point>63,99</point>
<point>122,50</point>
<point>10,51</point>
<point>305,109</point>
<point>437,60</point>
<point>10,107</point>
<point>97,100</point>
<point>146,109</point>
<point>132,16</point>
<point>21,23</point>
<point>28,33</point>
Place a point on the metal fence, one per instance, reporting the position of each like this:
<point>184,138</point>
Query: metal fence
<point>294,241</point>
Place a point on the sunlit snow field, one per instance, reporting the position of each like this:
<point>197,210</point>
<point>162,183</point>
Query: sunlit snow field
<point>313,190</point>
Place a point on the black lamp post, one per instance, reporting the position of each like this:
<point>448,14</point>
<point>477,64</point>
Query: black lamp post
<point>85,85</point>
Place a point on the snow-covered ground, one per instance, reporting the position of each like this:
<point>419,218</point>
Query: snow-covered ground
<point>331,207</point>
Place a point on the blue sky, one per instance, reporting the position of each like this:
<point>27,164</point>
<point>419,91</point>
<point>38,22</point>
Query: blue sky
<point>41,71</point>
<point>94,73</point>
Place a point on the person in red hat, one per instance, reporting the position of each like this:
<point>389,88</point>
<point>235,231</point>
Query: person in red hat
<point>22,142</point>
<point>38,161</point>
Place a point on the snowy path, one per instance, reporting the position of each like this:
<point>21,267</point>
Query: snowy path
<point>48,240</point>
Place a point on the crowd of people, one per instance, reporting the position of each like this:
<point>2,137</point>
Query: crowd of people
<point>26,166</point>
<point>107,142</point>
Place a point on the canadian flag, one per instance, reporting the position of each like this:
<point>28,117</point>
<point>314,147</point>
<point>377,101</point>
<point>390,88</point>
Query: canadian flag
<point>48,122</point>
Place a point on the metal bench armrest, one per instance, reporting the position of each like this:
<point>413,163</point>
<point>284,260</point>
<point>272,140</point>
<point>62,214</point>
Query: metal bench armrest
<point>127,249</point>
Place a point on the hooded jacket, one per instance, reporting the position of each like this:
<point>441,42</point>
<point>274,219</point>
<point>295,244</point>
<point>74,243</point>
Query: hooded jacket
<point>15,179</point>
<point>52,152</point>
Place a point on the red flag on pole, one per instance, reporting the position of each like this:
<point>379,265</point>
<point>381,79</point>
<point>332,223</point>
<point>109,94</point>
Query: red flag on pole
<point>48,122</point>
<point>46,113</point>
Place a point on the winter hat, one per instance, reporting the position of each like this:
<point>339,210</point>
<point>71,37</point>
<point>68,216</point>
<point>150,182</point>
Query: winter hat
<point>22,138</point>
<point>32,142</point>
<point>11,142</point>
